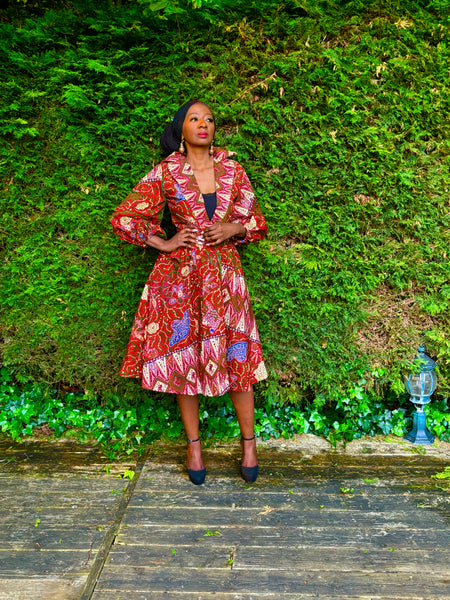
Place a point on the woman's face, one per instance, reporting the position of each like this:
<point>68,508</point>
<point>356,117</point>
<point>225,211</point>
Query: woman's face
<point>198,126</point>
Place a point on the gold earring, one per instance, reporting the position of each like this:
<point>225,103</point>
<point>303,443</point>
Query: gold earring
<point>211,148</point>
<point>182,148</point>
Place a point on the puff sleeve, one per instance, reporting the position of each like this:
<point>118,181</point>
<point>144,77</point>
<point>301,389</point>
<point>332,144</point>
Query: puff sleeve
<point>138,217</point>
<point>247,210</point>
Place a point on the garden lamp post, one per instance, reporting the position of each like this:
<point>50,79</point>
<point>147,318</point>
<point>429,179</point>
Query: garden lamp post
<point>420,385</point>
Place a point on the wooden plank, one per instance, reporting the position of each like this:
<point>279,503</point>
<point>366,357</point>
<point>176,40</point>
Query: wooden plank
<point>325,584</point>
<point>199,555</point>
<point>305,449</point>
<point>61,458</point>
<point>17,486</point>
<point>178,480</point>
<point>273,463</point>
<point>387,560</point>
<point>55,516</point>
<point>242,595</point>
<point>274,558</point>
<point>304,476</point>
<point>61,500</point>
<point>293,525</point>
<point>64,471</point>
<point>74,536</point>
<point>213,517</point>
<point>49,588</point>
<point>368,499</point>
<point>254,536</point>
<point>294,461</point>
<point>80,500</point>
<point>26,563</point>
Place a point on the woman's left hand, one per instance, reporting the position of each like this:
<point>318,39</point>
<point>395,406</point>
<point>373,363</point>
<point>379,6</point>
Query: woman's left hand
<point>220,232</point>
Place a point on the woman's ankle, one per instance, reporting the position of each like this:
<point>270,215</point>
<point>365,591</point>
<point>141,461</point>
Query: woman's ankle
<point>194,455</point>
<point>249,454</point>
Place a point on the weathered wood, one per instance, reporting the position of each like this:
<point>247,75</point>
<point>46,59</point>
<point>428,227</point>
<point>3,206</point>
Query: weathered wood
<point>343,559</point>
<point>92,515</point>
<point>32,484</point>
<point>287,516</point>
<point>56,507</point>
<point>368,498</point>
<point>107,541</point>
<point>243,595</point>
<point>275,558</point>
<point>61,500</point>
<point>272,460</point>
<point>226,494</point>
<point>286,479</point>
<point>293,534</point>
<point>23,563</point>
<point>199,556</point>
<point>326,536</point>
<point>59,458</point>
<point>74,536</point>
<point>48,588</point>
<point>323,584</point>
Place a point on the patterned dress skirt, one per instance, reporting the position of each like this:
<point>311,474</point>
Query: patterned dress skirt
<point>194,330</point>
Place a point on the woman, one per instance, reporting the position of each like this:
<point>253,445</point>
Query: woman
<point>194,330</point>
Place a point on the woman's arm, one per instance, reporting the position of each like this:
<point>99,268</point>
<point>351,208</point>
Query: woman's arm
<point>137,219</point>
<point>185,238</point>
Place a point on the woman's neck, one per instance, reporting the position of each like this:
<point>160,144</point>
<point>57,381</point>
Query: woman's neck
<point>199,158</point>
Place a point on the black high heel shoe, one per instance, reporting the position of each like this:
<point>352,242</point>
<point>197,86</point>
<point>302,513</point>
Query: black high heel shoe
<point>196,477</point>
<point>249,474</point>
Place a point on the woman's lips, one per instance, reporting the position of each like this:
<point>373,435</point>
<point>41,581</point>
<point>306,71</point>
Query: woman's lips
<point>202,135</point>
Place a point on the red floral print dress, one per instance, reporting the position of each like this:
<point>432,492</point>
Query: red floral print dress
<point>194,330</point>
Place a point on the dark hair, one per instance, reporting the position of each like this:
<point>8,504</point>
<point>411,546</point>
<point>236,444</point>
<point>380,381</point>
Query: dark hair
<point>171,136</point>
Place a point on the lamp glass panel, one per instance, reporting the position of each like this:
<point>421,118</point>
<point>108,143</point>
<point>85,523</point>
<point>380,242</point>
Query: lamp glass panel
<point>422,384</point>
<point>415,385</point>
<point>434,381</point>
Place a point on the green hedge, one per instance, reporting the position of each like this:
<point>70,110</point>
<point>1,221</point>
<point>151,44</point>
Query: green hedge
<point>337,110</point>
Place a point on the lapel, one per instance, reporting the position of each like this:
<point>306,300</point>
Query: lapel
<point>224,170</point>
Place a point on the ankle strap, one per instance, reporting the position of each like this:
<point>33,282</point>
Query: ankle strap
<point>192,441</point>
<point>248,439</point>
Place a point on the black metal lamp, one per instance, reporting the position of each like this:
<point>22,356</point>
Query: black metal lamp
<point>420,385</point>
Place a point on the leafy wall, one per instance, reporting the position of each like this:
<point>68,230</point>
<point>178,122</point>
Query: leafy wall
<point>337,110</point>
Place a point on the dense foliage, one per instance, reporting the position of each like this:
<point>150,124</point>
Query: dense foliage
<point>337,110</point>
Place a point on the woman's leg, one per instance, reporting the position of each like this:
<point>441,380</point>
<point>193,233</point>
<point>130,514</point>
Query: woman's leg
<point>244,405</point>
<point>188,406</point>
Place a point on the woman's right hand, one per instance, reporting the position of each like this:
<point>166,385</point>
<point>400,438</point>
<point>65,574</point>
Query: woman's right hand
<point>185,238</point>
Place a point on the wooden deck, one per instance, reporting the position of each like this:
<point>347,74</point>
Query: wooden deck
<point>371,524</point>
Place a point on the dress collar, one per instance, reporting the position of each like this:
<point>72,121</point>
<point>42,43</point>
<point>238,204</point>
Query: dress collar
<point>183,174</point>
